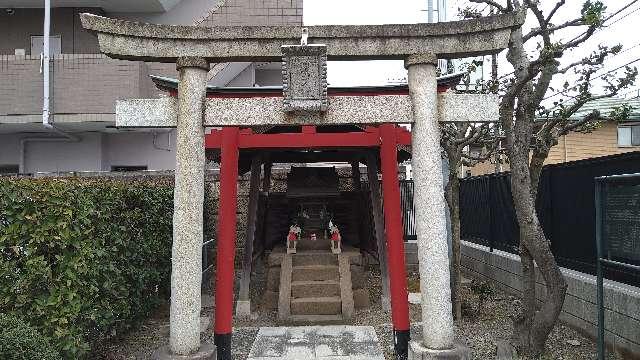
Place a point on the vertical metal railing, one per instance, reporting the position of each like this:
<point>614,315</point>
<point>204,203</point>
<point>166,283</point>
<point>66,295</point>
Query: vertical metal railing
<point>408,210</point>
<point>207,258</point>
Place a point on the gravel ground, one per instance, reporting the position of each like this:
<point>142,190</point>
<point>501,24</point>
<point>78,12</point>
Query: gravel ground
<point>480,330</point>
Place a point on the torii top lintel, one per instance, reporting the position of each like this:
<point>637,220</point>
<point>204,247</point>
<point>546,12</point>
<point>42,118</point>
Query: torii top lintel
<point>165,43</point>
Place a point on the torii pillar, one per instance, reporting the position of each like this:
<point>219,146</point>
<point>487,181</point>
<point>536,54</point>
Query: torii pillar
<point>186,258</point>
<point>431,226</point>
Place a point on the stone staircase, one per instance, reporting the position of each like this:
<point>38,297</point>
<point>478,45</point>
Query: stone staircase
<point>315,287</point>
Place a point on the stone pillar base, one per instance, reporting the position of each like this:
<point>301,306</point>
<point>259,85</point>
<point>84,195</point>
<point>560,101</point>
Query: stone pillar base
<point>206,352</point>
<point>243,309</point>
<point>417,351</point>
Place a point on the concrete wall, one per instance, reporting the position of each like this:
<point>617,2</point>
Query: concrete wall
<point>95,152</point>
<point>9,149</point>
<point>137,149</point>
<point>64,156</point>
<point>622,302</point>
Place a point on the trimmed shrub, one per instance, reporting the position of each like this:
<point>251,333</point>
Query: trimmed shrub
<point>19,341</point>
<point>83,259</point>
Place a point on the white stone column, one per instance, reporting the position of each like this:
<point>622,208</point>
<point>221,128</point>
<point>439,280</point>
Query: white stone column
<point>186,253</point>
<point>431,227</point>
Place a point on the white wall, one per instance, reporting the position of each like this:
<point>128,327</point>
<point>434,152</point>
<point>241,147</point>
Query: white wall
<point>95,152</point>
<point>9,150</point>
<point>137,149</point>
<point>85,155</point>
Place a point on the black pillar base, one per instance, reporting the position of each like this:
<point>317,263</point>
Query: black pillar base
<point>223,345</point>
<point>401,343</point>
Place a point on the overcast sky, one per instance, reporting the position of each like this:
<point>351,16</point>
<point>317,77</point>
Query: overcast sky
<point>341,12</point>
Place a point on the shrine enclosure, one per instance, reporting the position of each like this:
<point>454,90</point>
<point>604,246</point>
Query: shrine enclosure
<point>306,101</point>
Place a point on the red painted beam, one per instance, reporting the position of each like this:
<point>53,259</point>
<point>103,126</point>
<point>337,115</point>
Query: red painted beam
<point>394,236</point>
<point>403,136</point>
<point>309,129</point>
<point>370,138</point>
<point>226,239</point>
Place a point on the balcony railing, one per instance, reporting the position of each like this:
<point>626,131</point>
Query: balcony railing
<point>80,83</point>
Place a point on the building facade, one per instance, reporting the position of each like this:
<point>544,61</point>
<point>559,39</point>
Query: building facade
<point>85,85</point>
<point>609,138</point>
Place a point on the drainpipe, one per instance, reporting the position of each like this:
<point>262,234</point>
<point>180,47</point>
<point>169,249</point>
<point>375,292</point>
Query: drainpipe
<point>44,56</point>
<point>44,69</point>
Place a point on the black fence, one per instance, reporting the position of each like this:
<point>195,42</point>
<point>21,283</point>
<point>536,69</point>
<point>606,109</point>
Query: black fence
<point>565,205</point>
<point>406,204</point>
<point>408,213</point>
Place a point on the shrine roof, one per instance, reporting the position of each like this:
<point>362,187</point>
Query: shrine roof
<point>171,85</point>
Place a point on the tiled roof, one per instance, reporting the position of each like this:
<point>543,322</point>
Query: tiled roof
<point>606,105</point>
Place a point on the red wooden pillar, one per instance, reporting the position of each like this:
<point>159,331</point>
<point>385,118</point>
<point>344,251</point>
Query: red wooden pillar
<point>226,241</point>
<point>395,240</point>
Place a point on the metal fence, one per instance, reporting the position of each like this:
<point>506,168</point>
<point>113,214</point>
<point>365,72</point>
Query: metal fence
<point>408,211</point>
<point>565,206</point>
<point>208,252</point>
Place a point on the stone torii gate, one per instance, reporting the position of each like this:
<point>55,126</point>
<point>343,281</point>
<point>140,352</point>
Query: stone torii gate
<point>194,48</point>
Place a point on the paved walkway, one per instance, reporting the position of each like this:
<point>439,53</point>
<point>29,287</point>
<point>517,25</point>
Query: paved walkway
<point>338,342</point>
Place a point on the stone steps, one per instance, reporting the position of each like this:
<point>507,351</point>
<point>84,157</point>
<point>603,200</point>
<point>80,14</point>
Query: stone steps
<point>316,319</point>
<point>315,287</point>
<point>304,288</point>
<point>314,258</point>
<point>319,244</point>
<point>314,272</point>
<point>329,305</point>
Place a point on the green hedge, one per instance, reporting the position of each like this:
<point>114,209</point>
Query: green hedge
<point>19,341</point>
<point>83,260</point>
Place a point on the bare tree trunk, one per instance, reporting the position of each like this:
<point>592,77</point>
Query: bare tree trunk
<point>453,200</point>
<point>535,167</point>
<point>523,323</point>
<point>535,247</point>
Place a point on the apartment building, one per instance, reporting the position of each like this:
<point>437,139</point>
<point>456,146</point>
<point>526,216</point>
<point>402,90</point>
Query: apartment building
<point>85,85</point>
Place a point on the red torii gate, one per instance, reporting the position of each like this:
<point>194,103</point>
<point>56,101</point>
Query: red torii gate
<point>230,140</point>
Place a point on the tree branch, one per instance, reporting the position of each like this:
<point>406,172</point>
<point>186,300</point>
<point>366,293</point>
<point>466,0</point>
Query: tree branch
<point>490,3</point>
<point>538,31</point>
<point>553,11</point>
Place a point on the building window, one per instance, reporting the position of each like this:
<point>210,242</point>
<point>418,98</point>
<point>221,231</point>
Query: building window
<point>9,169</point>
<point>123,168</point>
<point>629,135</point>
